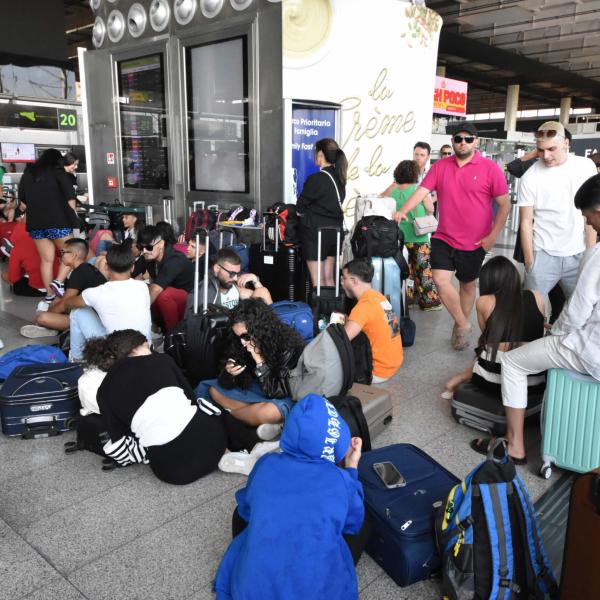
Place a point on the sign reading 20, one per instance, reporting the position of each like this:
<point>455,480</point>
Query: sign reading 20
<point>67,119</point>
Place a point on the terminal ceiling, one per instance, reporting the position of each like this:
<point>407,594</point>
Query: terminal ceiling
<point>551,48</point>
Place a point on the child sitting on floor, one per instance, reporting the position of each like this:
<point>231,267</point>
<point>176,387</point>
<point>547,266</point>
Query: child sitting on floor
<point>295,509</point>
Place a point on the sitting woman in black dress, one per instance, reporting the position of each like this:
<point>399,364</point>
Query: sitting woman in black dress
<point>151,414</point>
<point>508,317</point>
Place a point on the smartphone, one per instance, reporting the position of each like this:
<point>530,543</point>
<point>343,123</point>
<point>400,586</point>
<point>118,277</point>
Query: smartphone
<point>389,475</point>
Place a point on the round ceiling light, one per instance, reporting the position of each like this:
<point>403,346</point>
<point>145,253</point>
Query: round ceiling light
<point>185,10</point>
<point>211,8</point>
<point>240,4</point>
<point>115,26</point>
<point>95,4</point>
<point>136,20</point>
<point>98,32</point>
<point>159,14</point>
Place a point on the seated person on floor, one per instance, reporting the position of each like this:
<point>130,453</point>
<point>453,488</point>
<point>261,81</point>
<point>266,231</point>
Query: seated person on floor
<point>121,303</point>
<point>372,314</point>
<point>151,414</point>
<point>24,274</point>
<point>226,286</point>
<point>8,210</point>
<point>55,318</point>
<point>132,223</point>
<point>298,525</point>
<point>171,273</point>
<point>254,383</point>
<point>574,342</point>
<point>508,317</point>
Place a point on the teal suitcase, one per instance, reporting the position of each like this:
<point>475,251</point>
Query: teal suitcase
<point>570,422</point>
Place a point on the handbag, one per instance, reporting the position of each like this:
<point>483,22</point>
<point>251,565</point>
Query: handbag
<point>423,225</point>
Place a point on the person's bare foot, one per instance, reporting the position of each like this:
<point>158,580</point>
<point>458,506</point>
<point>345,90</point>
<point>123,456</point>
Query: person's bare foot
<point>460,337</point>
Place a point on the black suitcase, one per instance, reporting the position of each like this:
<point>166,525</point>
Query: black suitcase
<point>39,400</point>
<point>483,410</point>
<point>91,435</point>
<point>196,343</point>
<point>279,266</point>
<point>327,299</point>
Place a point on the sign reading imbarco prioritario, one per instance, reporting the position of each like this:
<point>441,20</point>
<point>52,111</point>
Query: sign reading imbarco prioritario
<point>450,96</point>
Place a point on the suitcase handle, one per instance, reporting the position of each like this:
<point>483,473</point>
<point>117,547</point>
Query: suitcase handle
<point>337,258</point>
<point>276,218</point>
<point>62,384</point>
<point>39,426</point>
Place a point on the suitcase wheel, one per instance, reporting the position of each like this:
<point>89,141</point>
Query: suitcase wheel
<point>71,423</point>
<point>546,470</point>
<point>387,420</point>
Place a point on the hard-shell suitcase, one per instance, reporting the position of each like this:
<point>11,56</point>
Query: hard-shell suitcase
<point>403,539</point>
<point>376,404</point>
<point>38,400</point>
<point>326,299</point>
<point>570,422</point>
<point>196,343</point>
<point>280,267</point>
<point>483,410</point>
<point>580,577</point>
<point>387,280</point>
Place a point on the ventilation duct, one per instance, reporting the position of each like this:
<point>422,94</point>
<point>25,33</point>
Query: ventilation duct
<point>159,14</point>
<point>240,4</point>
<point>185,10</point>
<point>211,8</point>
<point>98,32</point>
<point>136,20</point>
<point>115,26</point>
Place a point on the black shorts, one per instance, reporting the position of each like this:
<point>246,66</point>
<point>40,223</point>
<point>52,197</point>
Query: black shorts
<point>465,263</point>
<point>309,237</point>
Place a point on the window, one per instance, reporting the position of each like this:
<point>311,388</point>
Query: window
<point>217,88</point>
<point>143,123</point>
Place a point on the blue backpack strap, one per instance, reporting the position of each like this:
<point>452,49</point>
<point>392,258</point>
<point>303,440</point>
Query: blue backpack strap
<point>545,581</point>
<point>495,504</point>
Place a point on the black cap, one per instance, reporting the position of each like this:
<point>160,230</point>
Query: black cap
<point>468,127</point>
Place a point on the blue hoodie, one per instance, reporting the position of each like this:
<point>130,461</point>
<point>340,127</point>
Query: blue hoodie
<point>297,505</point>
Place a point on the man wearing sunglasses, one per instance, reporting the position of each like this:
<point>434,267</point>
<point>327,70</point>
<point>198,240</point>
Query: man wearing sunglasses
<point>171,274</point>
<point>553,232</point>
<point>227,285</point>
<point>445,151</point>
<point>467,186</point>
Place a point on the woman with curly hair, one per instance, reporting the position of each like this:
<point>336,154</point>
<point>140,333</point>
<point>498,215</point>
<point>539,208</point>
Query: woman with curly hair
<point>253,383</point>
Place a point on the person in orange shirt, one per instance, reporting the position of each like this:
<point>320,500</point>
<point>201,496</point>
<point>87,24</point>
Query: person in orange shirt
<point>373,314</point>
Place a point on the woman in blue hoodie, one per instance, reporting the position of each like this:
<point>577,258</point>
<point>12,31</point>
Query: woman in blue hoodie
<point>298,504</point>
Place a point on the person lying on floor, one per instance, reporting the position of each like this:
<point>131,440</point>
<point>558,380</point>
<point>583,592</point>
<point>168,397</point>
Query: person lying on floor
<point>83,276</point>
<point>254,381</point>
<point>151,414</point>
<point>574,340</point>
<point>298,525</point>
<point>508,317</point>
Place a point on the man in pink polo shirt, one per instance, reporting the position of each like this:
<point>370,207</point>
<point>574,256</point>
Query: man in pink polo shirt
<point>466,185</point>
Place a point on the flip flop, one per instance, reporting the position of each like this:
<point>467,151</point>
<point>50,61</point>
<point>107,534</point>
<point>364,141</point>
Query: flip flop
<point>481,446</point>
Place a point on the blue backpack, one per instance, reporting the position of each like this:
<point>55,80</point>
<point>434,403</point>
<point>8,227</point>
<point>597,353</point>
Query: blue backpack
<point>29,355</point>
<point>489,538</point>
<point>297,315</point>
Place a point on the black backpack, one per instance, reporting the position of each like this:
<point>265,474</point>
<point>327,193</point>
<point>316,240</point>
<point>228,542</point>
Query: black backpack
<point>363,359</point>
<point>376,236</point>
<point>351,410</point>
<point>288,222</point>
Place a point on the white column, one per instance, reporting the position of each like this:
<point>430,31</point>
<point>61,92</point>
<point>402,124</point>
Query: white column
<point>512,106</point>
<point>565,110</point>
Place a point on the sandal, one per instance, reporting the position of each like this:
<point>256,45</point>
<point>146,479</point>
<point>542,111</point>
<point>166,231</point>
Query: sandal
<point>481,445</point>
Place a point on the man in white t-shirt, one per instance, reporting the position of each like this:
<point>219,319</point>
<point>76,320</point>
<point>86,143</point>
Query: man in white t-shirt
<point>553,232</point>
<point>121,303</point>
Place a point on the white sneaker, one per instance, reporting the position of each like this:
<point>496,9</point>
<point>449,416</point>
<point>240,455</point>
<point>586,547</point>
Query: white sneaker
<point>237,462</point>
<point>36,331</point>
<point>43,306</point>
<point>1,344</point>
<point>263,448</point>
<point>269,431</point>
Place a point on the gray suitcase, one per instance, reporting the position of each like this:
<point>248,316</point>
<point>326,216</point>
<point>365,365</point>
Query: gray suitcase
<point>376,404</point>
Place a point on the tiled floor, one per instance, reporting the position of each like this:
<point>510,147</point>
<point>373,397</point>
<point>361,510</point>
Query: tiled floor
<point>69,531</point>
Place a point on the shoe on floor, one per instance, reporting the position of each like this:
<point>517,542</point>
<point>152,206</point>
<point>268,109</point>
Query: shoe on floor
<point>269,431</point>
<point>447,395</point>
<point>237,462</point>
<point>36,331</point>
<point>58,287</point>
<point>6,247</point>
<point>263,448</point>
<point>481,445</point>
<point>1,344</point>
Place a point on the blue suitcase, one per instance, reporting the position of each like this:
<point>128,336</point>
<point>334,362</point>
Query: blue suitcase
<point>297,315</point>
<point>38,400</point>
<point>403,539</point>
<point>387,280</point>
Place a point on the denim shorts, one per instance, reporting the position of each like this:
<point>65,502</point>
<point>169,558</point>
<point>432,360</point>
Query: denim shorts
<point>50,234</point>
<point>251,395</point>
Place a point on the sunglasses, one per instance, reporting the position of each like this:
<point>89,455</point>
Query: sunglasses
<point>548,133</point>
<point>246,337</point>
<point>147,247</point>
<point>469,139</point>
<point>446,153</point>
<point>232,274</point>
